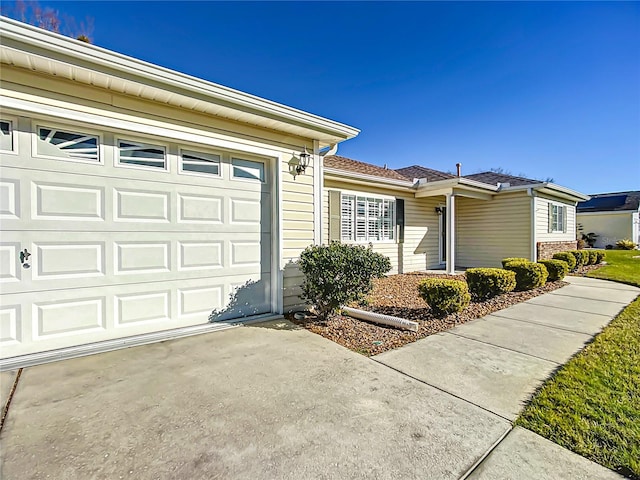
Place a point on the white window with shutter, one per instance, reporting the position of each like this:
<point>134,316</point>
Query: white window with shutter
<point>366,219</point>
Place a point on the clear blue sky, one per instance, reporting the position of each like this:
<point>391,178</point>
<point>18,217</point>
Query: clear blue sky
<point>543,89</point>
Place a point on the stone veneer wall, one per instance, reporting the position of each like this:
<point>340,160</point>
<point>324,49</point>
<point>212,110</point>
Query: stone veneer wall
<point>547,249</point>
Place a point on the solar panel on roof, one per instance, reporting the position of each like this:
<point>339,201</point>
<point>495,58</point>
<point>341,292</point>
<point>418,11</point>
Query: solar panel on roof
<point>605,202</point>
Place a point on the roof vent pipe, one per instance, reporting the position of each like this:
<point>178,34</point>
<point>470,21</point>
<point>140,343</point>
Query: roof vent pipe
<point>459,167</point>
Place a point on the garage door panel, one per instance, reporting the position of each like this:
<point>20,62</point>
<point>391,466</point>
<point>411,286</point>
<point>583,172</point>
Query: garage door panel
<point>66,260</point>
<point>141,206</point>
<point>9,199</point>
<point>10,271</point>
<point>11,330</point>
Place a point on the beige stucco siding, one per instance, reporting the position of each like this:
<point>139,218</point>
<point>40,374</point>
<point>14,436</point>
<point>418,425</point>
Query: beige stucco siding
<point>420,248</point>
<point>609,226</point>
<point>488,231</point>
<point>294,196</point>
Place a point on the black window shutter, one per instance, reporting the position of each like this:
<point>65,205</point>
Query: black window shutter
<point>400,219</point>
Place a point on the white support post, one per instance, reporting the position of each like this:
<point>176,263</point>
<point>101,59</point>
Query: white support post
<point>451,233</point>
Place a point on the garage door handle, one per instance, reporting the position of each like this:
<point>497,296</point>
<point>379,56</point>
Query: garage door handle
<point>24,258</point>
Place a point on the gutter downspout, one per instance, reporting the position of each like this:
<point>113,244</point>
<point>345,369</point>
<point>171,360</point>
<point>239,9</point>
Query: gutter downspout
<point>318,182</point>
<point>534,244</point>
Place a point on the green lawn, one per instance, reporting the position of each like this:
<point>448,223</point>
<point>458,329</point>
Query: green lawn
<point>621,267</point>
<point>592,404</point>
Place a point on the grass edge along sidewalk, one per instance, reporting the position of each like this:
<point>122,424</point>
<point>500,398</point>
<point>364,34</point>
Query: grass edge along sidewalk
<point>592,404</point>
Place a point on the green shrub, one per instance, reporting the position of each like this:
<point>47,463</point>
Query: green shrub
<point>513,259</point>
<point>485,283</point>
<point>593,257</point>
<point>601,256</point>
<point>444,296</point>
<point>529,275</point>
<point>557,269</point>
<point>625,244</point>
<point>566,257</point>
<point>579,258</point>
<point>585,257</point>
<point>337,274</point>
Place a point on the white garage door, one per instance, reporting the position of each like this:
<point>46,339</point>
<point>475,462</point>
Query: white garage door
<point>125,236</point>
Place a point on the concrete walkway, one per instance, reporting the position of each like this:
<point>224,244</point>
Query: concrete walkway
<point>498,361</point>
<point>276,402</point>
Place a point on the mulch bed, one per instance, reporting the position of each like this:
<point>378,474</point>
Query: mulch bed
<point>397,295</point>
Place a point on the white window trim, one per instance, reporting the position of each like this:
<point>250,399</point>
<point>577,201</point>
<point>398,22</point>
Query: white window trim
<point>393,229</point>
<point>147,143</point>
<point>13,122</point>
<point>563,226</point>
<point>36,125</point>
<point>196,150</point>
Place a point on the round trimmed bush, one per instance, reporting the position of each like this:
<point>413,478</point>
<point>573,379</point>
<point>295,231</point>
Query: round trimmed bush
<point>566,257</point>
<point>445,296</point>
<point>513,259</point>
<point>529,275</point>
<point>593,257</point>
<point>339,273</point>
<point>579,258</point>
<point>485,283</point>
<point>585,256</point>
<point>601,256</point>
<point>557,269</point>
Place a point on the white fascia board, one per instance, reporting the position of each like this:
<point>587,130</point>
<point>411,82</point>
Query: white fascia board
<point>102,58</point>
<point>459,182</point>
<point>361,178</point>
<point>551,189</point>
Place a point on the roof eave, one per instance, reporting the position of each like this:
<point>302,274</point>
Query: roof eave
<point>457,182</point>
<point>551,189</point>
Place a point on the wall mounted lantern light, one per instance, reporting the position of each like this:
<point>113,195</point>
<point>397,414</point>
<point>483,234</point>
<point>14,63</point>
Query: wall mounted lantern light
<point>305,159</point>
<point>439,210</point>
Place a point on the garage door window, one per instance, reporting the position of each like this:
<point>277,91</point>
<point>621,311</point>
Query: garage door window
<point>197,163</point>
<point>142,155</point>
<point>67,145</point>
<point>248,170</point>
<point>6,136</point>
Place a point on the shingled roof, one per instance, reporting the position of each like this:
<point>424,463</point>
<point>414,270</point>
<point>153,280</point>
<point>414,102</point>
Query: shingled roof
<point>611,202</point>
<point>493,178</point>
<point>416,171</point>
<point>349,165</point>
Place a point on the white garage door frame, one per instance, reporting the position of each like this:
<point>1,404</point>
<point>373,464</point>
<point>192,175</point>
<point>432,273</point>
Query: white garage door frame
<point>13,107</point>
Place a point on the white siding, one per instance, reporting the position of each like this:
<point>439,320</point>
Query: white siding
<point>488,231</point>
<point>420,248</point>
<point>609,226</point>
<point>542,221</point>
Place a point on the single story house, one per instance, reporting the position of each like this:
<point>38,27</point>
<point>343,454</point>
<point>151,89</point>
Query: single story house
<point>612,217</point>
<point>427,219</point>
<point>138,203</point>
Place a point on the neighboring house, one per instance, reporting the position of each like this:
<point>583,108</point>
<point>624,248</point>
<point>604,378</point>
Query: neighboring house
<point>426,219</point>
<point>135,201</point>
<point>611,216</point>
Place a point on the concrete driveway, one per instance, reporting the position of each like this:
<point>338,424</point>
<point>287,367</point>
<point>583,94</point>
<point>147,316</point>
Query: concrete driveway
<point>271,401</point>
<point>250,402</point>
